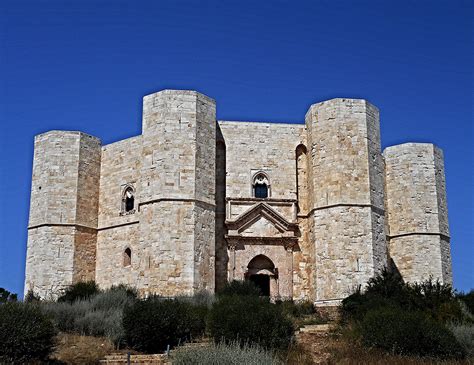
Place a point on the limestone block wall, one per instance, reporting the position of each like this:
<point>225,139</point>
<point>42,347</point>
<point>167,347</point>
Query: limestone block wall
<point>111,245</point>
<point>49,260</point>
<point>177,190</point>
<point>270,147</point>
<point>347,195</point>
<point>63,211</point>
<point>121,164</point>
<point>417,211</point>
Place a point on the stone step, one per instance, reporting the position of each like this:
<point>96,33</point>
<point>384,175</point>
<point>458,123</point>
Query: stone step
<point>316,328</point>
<point>120,358</point>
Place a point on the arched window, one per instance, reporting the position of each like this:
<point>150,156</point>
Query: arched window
<point>128,200</point>
<point>261,185</point>
<point>127,257</point>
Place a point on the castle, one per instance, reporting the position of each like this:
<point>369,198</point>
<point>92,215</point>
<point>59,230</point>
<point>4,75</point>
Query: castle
<point>305,211</point>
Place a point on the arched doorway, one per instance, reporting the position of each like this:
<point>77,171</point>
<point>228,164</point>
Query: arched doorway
<point>260,271</point>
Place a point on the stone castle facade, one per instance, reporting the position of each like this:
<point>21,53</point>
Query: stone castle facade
<point>306,211</point>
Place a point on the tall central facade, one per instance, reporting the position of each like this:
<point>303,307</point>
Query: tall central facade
<point>305,211</point>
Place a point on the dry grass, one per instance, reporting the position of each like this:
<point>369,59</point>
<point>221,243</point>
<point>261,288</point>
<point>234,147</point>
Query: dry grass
<point>346,353</point>
<point>84,350</point>
<point>329,349</point>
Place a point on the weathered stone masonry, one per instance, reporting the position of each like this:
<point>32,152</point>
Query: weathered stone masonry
<point>307,211</point>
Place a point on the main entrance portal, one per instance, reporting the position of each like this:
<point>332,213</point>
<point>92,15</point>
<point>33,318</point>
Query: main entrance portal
<point>262,282</point>
<point>261,270</point>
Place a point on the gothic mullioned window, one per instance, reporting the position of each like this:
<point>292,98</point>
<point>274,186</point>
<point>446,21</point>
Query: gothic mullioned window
<point>261,185</point>
<point>128,200</point>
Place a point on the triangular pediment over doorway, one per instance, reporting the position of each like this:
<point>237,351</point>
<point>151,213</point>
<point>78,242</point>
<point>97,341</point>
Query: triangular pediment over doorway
<point>261,221</point>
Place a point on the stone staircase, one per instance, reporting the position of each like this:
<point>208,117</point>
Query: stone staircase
<point>135,359</point>
<point>153,359</point>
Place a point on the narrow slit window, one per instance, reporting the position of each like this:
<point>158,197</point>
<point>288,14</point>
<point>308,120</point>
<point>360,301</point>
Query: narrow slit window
<point>127,257</point>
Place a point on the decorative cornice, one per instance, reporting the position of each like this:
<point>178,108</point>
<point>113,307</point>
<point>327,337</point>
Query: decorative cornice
<point>446,237</point>
<point>177,200</point>
<point>269,200</point>
<point>62,225</point>
<point>118,225</point>
<point>373,207</point>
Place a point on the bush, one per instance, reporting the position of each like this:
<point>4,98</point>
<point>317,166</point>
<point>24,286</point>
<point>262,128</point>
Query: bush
<point>82,290</point>
<point>356,305</point>
<point>152,324</point>
<point>240,288</point>
<point>100,315</point>
<point>198,308</point>
<point>468,300</point>
<point>249,319</point>
<point>408,333</point>
<point>464,333</point>
<point>25,333</point>
<point>6,296</point>
<point>229,354</point>
<point>296,309</point>
<point>387,289</point>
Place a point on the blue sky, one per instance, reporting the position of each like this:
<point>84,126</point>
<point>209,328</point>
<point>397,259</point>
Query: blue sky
<point>85,65</point>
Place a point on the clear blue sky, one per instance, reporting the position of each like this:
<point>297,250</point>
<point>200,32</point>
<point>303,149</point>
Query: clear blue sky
<point>85,65</point>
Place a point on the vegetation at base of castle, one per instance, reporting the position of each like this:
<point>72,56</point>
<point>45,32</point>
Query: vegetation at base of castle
<point>222,353</point>
<point>31,297</point>
<point>81,290</point>
<point>468,300</point>
<point>99,314</point>
<point>464,334</point>
<point>154,323</point>
<point>409,319</point>
<point>408,333</point>
<point>250,319</point>
<point>6,296</point>
<point>240,288</point>
<point>296,309</point>
<point>26,334</point>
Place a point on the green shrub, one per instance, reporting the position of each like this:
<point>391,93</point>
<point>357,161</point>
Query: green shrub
<point>408,333</point>
<point>464,333</point>
<point>468,300</point>
<point>356,305</point>
<point>387,289</point>
<point>100,315</point>
<point>229,354</point>
<point>296,309</point>
<point>198,308</point>
<point>81,290</point>
<point>152,324</point>
<point>249,319</point>
<point>6,296</point>
<point>25,333</point>
<point>240,288</point>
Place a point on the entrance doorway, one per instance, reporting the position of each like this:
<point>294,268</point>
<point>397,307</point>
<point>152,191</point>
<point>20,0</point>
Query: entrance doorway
<point>262,282</point>
<point>261,271</point>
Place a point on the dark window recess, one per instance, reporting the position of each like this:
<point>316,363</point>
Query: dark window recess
<point>261,191</point>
